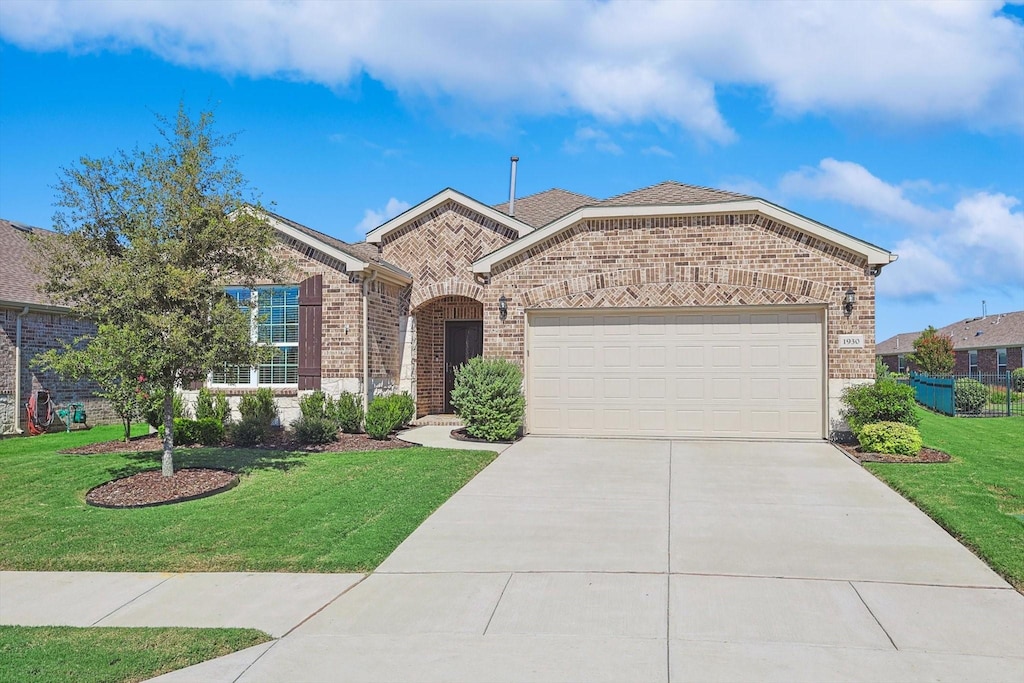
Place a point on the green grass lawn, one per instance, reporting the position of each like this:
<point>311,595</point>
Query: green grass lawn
<point>979,495</point>
<point>291,511</point>
<point>33,654</point>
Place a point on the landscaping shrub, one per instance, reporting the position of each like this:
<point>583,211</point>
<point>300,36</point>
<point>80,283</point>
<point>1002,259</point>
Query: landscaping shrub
<point>348,410</point>
<point>208,431</point>
<point>488,396</point>
<point>248,432</point>
<point>318,423</point>
<point>1018,379</point>
<point>212,405</point>
<point>884,401</point>
<point>258,411</point>
<point>154,414</point>
<point>404,406</point>
<point>383,417</point>
<point>315,430</point>
<point>895,438</point>
<point>882,371</point>
<point>971,396</point>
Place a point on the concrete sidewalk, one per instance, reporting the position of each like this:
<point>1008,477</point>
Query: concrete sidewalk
<point>440,436</point>
<point>274,603</point>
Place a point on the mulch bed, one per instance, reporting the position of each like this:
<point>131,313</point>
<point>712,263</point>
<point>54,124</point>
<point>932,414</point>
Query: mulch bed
<point>462,435</point>
<point>925,455</point>
<point>150,488</point>
<point>279,441</point>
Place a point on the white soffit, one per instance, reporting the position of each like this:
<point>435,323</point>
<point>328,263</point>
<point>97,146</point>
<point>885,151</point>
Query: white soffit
<point>876,256</point>
<point>377,234</point>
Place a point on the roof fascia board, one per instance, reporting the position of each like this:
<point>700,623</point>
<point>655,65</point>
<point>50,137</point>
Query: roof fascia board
<point>875,255</point>
<point>352,263</point>
<point>35,308</point>
<point>378,233</point>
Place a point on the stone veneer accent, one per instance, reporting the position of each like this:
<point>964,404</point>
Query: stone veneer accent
<point>39,333</point>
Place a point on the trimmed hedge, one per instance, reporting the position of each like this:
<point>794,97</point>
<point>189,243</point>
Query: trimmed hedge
<point>894,438</point>
<point>884,401</point>
<point>208,431</point>
<point>349,412</point>
<point>971,396</point>
<point>488,395</point>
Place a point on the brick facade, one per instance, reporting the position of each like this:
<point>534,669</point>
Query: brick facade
<point>723,260</point>
<point>430,331</point>
<point>41,332</point>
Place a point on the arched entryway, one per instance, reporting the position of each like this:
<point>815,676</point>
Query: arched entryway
<point>449,331</point>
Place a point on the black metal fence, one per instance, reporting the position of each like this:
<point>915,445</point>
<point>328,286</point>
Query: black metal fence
<point>972,395</point>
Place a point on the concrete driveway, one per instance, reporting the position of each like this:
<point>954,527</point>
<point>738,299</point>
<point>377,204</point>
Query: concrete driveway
<point>597,560</point>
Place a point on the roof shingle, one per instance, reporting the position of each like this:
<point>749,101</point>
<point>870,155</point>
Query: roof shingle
<point>539,209</point>
<point>1002,330</point>
<point>20,281</point>
<point>671,192</point>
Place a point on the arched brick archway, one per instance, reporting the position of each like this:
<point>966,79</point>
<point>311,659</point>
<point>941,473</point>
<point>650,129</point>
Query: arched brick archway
<point>432,320</point>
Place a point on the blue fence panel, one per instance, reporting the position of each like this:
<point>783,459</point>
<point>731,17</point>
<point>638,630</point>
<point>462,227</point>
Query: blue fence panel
<point>934,392</point>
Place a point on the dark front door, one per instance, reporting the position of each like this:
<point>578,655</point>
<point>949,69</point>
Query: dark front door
<point>463,339</point>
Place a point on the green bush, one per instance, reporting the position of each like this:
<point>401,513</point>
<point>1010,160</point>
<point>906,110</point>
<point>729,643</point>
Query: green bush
<point>154,414</point>
<point>248,432</point>
<point>403,406</point>
<point>383,417</point>
<point>258,411</point>
<point>212,405</point>
<point>316,405</point>
<point>348,410</point>
<point>884,401</point>
<point>895,438</point>
<point>971,396</point>
<point>315,430</point>
<point>488,396</point>
<point>1018,379</point>
<point>208,431</point>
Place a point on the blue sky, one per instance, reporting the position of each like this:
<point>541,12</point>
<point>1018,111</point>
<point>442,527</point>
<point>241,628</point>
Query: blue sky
<point>902,124</point>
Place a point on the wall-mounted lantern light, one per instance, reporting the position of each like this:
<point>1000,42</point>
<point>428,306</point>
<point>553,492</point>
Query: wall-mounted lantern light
<point>503,307</point>
<point>848,301</point>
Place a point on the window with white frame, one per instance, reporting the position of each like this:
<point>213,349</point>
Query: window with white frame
<point>275,315</point>
<point>972,362</point>
<point>901,363</point>
<point>1001,362</point>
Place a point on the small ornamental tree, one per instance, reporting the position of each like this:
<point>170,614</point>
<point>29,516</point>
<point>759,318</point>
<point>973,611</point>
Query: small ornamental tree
<point>933,352</point>
<point>114,359</point>
<point>148,240</point>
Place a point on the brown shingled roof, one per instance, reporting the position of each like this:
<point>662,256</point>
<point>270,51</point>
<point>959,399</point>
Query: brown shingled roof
<point>539,209</point>
<point>20,283</point>
<point>896,344</point>
<point>671,192</point>
<point>992,331</point>
<point>360,250</point>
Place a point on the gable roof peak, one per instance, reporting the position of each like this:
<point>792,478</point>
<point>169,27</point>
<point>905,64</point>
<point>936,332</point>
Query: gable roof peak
<point>671,192</point>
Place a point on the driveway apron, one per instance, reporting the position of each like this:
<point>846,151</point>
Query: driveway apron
<point>604,560</point>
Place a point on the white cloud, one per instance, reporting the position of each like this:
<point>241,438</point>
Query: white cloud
<point>587,137</point>
<point>977,243</point>
<point>655,150</point>
<point>615,61</point>
<point>374,217</point>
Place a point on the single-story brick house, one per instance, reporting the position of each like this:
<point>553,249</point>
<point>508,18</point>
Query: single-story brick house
<point>988,344</point>
<point>29,325</point>
<point>670,311</point>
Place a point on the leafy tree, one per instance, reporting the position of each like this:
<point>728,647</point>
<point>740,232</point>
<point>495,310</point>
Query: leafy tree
<point>112,358</point>
<point>933,352</point>
<point>149,239</point>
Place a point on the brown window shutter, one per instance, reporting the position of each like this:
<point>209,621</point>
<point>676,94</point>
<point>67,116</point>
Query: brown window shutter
<point>310,322</point>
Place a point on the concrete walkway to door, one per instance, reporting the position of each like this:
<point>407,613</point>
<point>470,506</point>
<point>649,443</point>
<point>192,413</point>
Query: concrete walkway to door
<point>598,560</point>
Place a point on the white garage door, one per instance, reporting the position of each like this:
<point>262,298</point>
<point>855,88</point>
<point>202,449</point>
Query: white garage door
<point>751,374</point>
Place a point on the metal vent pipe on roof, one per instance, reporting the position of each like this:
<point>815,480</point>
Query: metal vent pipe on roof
<point>512,189</point>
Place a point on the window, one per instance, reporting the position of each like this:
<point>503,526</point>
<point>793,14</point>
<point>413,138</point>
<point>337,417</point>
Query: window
<point>972,362</point>
<point>1001,362</point>
<point>275,319</point>
<point>901,363</point>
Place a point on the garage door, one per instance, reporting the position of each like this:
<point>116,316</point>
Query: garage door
<point>751,374</point>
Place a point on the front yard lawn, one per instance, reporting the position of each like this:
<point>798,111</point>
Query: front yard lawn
<point>979,495</point>
<point>307,512</point>
<point>111,655</point>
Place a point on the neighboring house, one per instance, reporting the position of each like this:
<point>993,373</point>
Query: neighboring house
<point>989,344</point>
<point>671,311</point>
<point>29,325</point>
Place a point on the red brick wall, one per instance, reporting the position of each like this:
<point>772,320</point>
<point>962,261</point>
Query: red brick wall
<point>430,320</point>
<point>42,332</point>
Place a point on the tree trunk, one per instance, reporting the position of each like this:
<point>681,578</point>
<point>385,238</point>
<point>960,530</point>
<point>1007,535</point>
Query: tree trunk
<point>127,428</point>
<point>168,459</point>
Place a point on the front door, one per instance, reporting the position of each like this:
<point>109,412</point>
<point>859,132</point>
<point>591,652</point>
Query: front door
<point>463,339</point>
